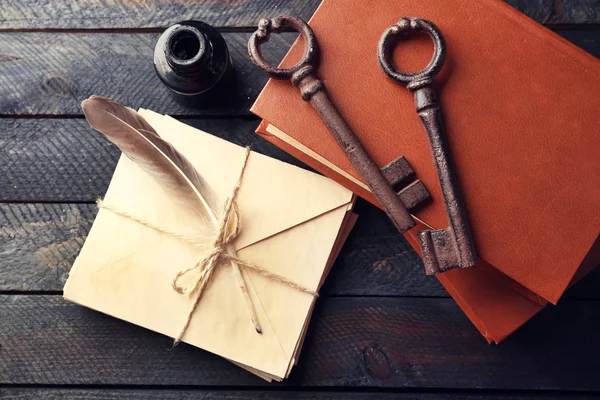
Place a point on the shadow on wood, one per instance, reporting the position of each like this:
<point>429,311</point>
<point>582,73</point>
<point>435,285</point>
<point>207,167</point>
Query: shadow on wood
<point>357,342</point>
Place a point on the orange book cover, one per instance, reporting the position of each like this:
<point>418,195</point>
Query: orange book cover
<point>520,107</point>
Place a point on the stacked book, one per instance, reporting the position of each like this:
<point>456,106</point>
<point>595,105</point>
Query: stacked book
<point>521,111</point>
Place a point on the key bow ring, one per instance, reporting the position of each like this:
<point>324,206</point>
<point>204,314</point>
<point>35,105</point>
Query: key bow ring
<point>388,41</point>
<point>262,35</point>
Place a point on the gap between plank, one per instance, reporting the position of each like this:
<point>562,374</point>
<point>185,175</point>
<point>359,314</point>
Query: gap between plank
<point>277,387</point>
<point>222,29</point>
<point>321,296</point>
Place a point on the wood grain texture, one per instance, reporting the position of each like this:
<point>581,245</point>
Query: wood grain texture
<point>353,342</point>
<point>119,14</point>
<point>560,11</point>
<point>51,73</point>
<point>39,243</point>
<point>161,394</point>
<point>62,159</point>
<point>65,160</point>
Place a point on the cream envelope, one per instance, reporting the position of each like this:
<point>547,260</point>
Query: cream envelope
<point>290,222</point>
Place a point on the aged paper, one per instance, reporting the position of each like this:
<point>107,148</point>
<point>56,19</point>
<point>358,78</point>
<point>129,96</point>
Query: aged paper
<point>291,220</point>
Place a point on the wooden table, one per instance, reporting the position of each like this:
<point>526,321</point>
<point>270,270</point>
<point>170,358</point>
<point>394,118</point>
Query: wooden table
<point>381,329</point>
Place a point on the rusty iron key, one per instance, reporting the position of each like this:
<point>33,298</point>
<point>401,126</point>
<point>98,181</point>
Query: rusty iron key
<point>452,247</point>
<point>302,75</point>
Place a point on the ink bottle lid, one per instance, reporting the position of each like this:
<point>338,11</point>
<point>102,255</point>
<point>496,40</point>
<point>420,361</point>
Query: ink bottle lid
<point>191,58</point>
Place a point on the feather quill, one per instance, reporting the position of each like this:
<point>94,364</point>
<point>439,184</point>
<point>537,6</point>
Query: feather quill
<point>141,143</point>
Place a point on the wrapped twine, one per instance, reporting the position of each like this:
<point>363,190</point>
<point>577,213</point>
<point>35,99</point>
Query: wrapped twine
<point>229,229</point>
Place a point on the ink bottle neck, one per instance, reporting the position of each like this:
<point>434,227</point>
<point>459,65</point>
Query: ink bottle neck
<point>191,58</point>
<point>186,50</point>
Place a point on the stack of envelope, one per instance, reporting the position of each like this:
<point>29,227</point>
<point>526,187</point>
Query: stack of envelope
<point>294,223</point>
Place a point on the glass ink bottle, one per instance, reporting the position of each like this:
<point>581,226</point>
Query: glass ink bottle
<point>191,58</point>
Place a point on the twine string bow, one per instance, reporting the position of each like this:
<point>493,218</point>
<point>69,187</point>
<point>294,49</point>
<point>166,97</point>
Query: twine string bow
<point>219,254</point>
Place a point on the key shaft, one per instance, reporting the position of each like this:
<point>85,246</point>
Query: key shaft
<point>314,92</point>
<point>452,247</point>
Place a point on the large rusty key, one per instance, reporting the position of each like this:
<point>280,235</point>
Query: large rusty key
<point>302,75</point>
<point>451,247</point>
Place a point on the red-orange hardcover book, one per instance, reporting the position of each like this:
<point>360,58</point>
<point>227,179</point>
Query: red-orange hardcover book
<point>521,110</point>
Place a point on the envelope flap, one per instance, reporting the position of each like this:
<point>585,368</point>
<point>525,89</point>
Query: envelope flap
<point>293,196</point>
<point>275,196</point>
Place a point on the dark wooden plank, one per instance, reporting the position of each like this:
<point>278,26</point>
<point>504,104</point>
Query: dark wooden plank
<point>156,394</point>
<point>352,342</point>
<point>560,11</point>
<point>65,160</point>
<point>39,243</point>
<point>54,158</point>
<point>90,14</point>
<point>51,73</point>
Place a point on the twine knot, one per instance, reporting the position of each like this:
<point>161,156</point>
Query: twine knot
<point>221,251</point>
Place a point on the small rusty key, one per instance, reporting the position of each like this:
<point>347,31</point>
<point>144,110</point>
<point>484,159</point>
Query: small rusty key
<point>452,247</point>
<point>312,89</point>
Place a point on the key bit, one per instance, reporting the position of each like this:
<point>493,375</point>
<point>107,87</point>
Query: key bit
<point>397,173</point>
<point>452,247</point>
<point>313,90</point>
